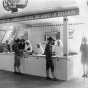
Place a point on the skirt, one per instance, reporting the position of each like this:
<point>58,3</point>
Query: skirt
<point>17,61</point>
<point>84,60</point>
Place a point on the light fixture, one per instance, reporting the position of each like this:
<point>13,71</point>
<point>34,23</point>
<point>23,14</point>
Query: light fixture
<point>13,5</point>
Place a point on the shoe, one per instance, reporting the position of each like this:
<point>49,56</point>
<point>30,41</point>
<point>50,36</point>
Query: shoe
<point>48,78</point>
<point>55,79</point>
<point>15,72</point>
<point>84,75</point>
<point>19,73</point>
<point>87,75</point>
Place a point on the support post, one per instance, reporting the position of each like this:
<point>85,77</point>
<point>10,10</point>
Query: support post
<point>65,36</point>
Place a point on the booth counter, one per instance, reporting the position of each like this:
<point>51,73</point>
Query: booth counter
<point>36,65</point>
<point>7,61</point>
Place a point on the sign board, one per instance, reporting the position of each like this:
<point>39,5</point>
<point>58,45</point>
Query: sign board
<point>44,15</point>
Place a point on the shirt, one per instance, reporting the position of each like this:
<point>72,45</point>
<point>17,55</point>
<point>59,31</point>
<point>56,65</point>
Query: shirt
<point>48,52</point>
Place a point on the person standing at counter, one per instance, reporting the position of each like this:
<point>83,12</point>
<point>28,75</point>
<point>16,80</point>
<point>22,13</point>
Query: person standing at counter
<point>18,48</point>
<point>49,59</point>
<point>84,56</point>
<point>16,56</point>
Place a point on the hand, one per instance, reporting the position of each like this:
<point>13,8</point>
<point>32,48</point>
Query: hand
<point>53,53</point>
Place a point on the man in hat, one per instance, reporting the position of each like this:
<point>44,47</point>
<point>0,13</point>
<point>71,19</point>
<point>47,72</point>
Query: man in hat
<point>49,59</point>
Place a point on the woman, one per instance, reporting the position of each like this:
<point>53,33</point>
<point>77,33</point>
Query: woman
<point>18,48</point>
<point>17,56</point>
<point>84,56</point>
<point>58,48</point>
<point>39,49</point>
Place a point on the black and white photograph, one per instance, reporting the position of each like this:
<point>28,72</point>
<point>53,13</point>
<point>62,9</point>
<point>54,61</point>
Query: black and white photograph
<point>43,43</point>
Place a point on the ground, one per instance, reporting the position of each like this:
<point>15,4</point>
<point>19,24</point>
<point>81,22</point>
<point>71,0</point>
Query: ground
<point>11,80</point>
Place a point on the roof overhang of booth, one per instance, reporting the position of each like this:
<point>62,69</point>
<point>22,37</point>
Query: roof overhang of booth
<point>54,8</point>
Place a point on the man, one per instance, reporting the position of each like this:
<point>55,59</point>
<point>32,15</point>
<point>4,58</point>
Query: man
<point>49,59</point>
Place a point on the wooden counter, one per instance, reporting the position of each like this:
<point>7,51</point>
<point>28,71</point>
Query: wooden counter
<point>36,65</point>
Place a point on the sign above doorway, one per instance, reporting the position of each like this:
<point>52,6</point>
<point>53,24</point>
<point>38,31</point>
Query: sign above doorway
<point>43,15</point>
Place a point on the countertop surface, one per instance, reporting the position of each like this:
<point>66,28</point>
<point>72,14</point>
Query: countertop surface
<point>39,55</point>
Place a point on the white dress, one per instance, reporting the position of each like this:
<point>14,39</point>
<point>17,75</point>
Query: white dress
<point>84,53</point>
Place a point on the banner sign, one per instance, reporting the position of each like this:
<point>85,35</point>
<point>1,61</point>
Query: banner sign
<point>44,15</point>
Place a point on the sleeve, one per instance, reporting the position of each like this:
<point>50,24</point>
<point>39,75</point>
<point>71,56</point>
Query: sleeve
<point>45,51</point>
<point>81,47</point>
<point>61,44</point>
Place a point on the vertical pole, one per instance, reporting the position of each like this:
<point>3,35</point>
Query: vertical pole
<point>65,36</point>
<point>65,45</point>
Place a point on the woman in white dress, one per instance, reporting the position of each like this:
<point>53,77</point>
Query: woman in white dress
<point>58,48</point>
<point>84,56</point>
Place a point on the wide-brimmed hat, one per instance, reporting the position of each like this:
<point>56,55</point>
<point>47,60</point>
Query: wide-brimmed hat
<point>50,39</point>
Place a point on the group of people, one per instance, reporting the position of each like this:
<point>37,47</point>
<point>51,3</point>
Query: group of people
<point>52,47</point>
<point>20,46</point>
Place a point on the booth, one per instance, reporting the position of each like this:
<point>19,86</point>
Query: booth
<point>35,64</point>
